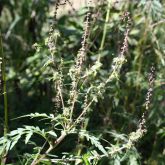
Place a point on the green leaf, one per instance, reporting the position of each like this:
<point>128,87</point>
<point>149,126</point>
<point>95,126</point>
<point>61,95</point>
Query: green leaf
<point>85,159</point>
<point>15,141</point>
<point>133,160</point>
<point>28,136</point>
<point>8,144</point>
<point>117,162</point>
<point>95,141</point>
<point>52,133</point>
<point>13,133</point>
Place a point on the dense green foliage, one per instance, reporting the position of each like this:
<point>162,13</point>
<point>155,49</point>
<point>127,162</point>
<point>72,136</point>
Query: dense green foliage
<point>108,130</point>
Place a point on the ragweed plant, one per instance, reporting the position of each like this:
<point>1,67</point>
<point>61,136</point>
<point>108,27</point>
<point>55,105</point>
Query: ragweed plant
<point>76,88</point>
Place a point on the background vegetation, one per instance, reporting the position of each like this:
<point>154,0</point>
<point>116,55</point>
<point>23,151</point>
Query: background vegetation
<point>117,110</point>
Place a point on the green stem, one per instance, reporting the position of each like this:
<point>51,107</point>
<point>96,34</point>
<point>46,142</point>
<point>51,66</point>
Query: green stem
<point>4,87</point>
<point>104,30</point>
<point>84,127</point>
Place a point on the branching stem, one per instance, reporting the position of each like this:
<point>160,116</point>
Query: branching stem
<point>51,147</point>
